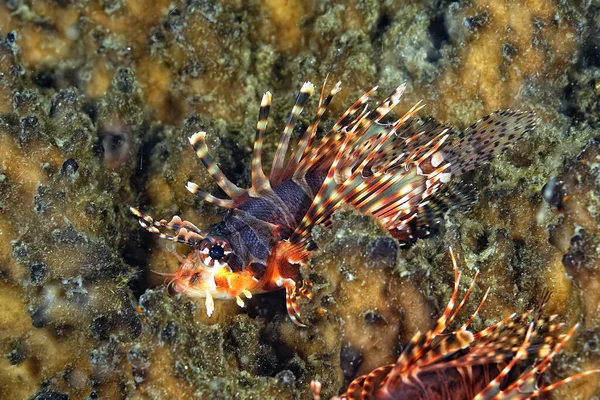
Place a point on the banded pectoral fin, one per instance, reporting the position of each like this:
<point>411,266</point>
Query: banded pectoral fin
<point>286,259</point>
<point>293,292</point>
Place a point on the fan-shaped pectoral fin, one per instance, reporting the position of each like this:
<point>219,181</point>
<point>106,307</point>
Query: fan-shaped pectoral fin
<point>306,289</point>
<point>291,303</point>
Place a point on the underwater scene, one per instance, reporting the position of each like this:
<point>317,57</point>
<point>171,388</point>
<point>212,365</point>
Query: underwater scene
<point>300,199</point>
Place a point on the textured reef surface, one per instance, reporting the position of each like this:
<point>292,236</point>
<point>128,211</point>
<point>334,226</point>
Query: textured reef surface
<point>97,99</point>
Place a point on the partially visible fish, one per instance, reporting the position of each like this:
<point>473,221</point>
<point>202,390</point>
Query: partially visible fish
<point>501,362</point>
<point>401,173</point>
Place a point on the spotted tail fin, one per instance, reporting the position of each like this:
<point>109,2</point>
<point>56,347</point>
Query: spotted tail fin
<point>489,137</point>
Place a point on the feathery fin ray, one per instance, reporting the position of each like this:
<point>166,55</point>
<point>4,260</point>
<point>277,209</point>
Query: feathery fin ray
<point>198,142</point>
<point>260,182</point>
<point>277,169</point>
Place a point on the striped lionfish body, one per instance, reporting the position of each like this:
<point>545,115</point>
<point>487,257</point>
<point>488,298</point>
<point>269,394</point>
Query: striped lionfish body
<point>391,171</point>
<point>502,362</point>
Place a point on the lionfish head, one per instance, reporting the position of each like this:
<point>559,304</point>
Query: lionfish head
<point>218,266</point>
<point>222,266</point>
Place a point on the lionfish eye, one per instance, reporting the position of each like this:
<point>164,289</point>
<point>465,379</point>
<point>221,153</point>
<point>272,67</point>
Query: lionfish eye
<point>216,252</point>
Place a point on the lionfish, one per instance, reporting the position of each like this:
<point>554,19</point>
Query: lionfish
<point>392,171</point>
<point>504,361</point>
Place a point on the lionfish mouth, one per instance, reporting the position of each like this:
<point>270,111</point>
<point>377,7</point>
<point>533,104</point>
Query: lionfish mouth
<point>203,284</point>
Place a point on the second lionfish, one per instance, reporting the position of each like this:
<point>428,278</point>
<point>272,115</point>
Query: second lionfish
<point>504,361</point>
<point>398,172</point>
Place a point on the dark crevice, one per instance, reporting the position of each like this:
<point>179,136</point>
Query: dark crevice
<point>138,244</point>
<point>519,262</point>
<point>268,305</point>
<point>482,242</point>
<point>384,22</point>
<point>137,253</point>
<point>579,101</point>
<point>568,104</point>
<point>236,166</point>
<point>438,31</point>
<point>590,56</point>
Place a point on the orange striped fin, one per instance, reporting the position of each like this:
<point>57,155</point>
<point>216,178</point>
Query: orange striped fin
<point>430,213</point>
<point>374,379</point>
<point>511,356</point>
<point>493,388</point>
<point>346,181</point>
<point>420,344</point>
<point>320,156</point>
<point>410,139</point>
<point>395,172</point>
<point>519,389</point>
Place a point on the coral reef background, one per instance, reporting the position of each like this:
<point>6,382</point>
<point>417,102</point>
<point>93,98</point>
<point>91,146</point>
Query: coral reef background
<point>97,99</point>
